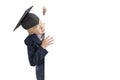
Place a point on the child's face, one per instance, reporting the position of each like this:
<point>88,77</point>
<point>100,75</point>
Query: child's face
<point>40,28</point>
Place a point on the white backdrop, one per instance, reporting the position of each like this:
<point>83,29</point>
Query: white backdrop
<point>86,46</point>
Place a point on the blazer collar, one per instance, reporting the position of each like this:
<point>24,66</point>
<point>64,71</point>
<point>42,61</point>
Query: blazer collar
<point>32,39</point>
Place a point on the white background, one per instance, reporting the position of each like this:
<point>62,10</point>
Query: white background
<point>86,46</point>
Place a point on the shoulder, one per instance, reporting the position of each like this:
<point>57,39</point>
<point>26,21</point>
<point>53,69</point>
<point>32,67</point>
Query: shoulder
<point>30,39</point>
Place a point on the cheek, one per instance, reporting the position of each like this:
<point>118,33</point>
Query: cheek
<point>39,30</point>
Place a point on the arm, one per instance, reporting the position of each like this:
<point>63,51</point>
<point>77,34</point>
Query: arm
<point>36,54</point>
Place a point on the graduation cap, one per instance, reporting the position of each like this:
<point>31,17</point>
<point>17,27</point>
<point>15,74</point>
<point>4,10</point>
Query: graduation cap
<point>28,20</point>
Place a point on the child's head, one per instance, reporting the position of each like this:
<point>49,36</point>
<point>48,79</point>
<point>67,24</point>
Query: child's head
<point>37,29</point>
<point>31,23</point>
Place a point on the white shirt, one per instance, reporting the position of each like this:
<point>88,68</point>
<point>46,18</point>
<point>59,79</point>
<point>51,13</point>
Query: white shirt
<point>40,37</point>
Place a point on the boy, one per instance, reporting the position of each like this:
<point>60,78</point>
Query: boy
<point>36,44</point>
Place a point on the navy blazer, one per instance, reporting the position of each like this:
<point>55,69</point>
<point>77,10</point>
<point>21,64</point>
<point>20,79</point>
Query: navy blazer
<point>36,53</point>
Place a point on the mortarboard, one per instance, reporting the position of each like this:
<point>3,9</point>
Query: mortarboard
<point>28,20</point>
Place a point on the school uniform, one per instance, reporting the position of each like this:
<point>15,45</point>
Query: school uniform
<point>36,54</point>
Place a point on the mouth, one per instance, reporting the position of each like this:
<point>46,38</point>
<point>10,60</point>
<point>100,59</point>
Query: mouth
<point>43,31</point>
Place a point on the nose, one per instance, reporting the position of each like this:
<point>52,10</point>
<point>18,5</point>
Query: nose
<point>42,28</point>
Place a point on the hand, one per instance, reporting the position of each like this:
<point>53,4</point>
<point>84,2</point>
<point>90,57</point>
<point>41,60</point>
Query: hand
<point>47,41</point>
<point>44,10</point>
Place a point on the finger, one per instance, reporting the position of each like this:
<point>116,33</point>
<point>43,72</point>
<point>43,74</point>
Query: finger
<point>47,37</point>
<point>50,38</point>
<point>50,43</point>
